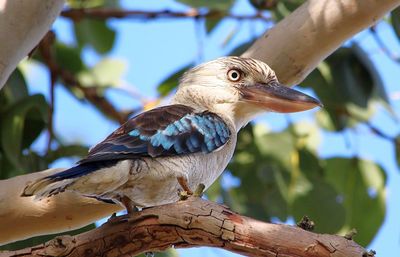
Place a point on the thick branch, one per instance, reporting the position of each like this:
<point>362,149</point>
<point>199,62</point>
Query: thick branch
<point>297,44</point>
<point>22,25</point>
<point>194,223</point>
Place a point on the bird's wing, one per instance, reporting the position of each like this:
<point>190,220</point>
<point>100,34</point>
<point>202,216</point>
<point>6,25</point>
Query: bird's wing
<point>164,131</point>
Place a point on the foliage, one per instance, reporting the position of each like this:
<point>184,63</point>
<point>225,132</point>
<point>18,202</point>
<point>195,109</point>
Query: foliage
<point>281,173</point>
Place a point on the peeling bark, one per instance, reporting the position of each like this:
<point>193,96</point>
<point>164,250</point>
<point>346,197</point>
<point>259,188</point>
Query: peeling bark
<point>193,223</point>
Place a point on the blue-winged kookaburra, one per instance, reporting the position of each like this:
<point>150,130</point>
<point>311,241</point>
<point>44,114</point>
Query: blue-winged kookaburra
<point>147,160</point>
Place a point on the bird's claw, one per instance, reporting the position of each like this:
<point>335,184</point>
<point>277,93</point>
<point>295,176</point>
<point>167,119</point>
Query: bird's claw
<point>185,194</point>
<point>114,219</point>
<point>199,190</point>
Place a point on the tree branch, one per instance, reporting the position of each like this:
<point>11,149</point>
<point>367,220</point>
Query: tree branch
<point>22,25</point>
<point>193,223</point>
<point>297,44</point>
<point>105,13</point>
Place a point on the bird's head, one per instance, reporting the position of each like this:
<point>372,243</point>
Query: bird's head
<point>240,88</point>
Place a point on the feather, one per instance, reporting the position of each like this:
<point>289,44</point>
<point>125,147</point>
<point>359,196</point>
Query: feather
<point>164,131</point>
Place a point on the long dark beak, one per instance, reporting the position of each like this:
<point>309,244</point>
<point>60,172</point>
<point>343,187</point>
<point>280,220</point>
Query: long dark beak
<point>278,98</point>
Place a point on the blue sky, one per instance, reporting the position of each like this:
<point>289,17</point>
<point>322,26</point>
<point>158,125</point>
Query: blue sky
<point>155,49</point>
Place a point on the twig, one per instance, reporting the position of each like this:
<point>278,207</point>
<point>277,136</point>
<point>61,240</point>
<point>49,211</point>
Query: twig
<point>105,13</point>
<point>45,50</point>
<point>382,45</point>
<point>70,81</point>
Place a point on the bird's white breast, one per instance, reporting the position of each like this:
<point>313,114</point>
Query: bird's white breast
<point>153,181</point>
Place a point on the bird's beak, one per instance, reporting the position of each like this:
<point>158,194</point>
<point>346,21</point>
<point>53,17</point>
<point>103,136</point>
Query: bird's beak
<point>278,98</point>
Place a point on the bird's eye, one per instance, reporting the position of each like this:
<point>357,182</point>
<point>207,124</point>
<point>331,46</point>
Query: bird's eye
<point>234,75</point>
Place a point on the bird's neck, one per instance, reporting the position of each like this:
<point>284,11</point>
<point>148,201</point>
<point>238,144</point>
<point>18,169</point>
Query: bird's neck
<point>236,114</point>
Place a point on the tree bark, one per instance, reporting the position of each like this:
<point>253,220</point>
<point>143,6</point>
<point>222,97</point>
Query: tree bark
<point>22,25</point>
<point>193,223</point>
<point>293,48</point>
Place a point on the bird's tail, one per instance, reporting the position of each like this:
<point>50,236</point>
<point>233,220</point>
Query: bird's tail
<point>46,187</point>
<point>58,182</point>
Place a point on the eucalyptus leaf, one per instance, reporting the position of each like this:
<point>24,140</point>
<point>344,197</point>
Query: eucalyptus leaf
<point>221,5</point>
<point>94,33</point>
<point>322,206</point>
<point>68,57</point>
<point>361,185</point>
<point>106,73</point>
<point>14,89</point>
<point>395,19</point>
<point>13,127</point>
<point>211,23</point>
<point>347,89</point>
<point>92,3</point>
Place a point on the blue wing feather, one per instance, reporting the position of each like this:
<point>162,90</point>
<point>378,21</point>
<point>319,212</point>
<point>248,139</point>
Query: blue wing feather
<point>164,131</point>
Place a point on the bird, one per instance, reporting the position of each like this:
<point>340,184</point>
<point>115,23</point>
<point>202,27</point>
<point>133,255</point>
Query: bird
<point>179,146</point>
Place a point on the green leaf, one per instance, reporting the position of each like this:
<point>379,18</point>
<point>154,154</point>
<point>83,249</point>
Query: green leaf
<point>322,206</point>
<point>171,82</point>
<point>284,8</point>
<point>395,19</point>
<point>321,199</point>
<point>211,23</point>
<point>106,73</point>
<point>347,89</point>
<point>95,33</point>
<point>221,5</point>
<point>92,3</point>
<point>351,76</point>
<point>15,132</point>
<point>361,185</point>
<point>397,149</point>
<point>14,89</point>
<point>68,57</point>
<point>264,178</point>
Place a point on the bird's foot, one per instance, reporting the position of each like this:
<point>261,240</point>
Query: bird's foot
<point>199,190</point>
<point>129,205</point>
<point>183,194</point>
<point>114,219</point>
<point>184,184</point>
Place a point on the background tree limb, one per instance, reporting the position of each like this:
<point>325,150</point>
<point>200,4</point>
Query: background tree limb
<point>297,44</point>
<point>192,223</point>
<point>23,24</point>
<point>283,47</point>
